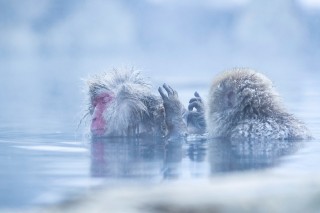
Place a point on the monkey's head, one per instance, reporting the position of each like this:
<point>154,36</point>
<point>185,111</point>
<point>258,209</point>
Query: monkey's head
<point>241,93</point>
<point>121,104</point>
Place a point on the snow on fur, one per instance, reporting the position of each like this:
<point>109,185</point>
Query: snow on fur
<point>130,91</point>
<point>243,104</point>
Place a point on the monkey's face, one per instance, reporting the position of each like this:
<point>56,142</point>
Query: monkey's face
<point>242,93</point>
<point>99,105</point>
<point>225,96</point>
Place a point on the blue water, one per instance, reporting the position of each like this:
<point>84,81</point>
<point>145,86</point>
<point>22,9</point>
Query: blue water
<point>47,48</point>
<point>40,168</point>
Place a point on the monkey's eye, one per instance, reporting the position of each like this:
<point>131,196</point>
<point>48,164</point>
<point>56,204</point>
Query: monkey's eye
<point>103,98</point>
<point>98,100</point>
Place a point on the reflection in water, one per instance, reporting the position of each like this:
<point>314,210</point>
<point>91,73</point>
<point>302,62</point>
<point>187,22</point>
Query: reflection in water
<point>197,151</point>
<point>134,158</point>
<point>131,158</point>
<point>230,156</point>
<point>48,168</point>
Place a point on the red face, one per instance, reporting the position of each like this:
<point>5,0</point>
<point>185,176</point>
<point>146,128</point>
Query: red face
<point>100,103</point>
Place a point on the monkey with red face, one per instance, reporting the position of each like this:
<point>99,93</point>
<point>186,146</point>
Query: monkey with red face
<point>121,103</point>
<point>242,104</point>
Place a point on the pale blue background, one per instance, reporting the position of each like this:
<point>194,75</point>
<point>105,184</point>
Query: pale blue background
<point>47,47</point>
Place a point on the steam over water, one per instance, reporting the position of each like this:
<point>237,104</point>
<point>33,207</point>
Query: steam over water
<point>48,47</point>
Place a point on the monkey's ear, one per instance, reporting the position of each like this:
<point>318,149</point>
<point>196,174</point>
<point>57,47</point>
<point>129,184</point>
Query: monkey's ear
<point>230,98</point>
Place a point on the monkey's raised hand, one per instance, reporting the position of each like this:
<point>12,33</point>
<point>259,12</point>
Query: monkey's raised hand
<point>173,111</point>
<point>196,118</point>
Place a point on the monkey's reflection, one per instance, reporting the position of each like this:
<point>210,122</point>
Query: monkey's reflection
<point>139,158</point>
<point>229,156</point>
<point>130,158</point>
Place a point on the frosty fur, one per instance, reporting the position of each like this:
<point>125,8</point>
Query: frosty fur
<point>243,104</point>
<point>134,108</point>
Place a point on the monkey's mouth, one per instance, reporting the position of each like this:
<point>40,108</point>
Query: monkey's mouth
<point>98,126</point>
<point>98,132</point>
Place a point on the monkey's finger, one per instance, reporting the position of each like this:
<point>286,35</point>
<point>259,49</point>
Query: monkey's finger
<point>168,89</point>
<point>163,95</point>
<point>195,99</point>
<point>197,105</point>
<point>196,94</point>
<point>173,91</point>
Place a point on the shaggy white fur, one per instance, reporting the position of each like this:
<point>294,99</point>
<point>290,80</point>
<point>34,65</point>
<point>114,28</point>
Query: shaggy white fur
<point>243,104</point>
<point>129,106</point>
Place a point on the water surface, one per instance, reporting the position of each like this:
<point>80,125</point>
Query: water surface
<point>41,166</point>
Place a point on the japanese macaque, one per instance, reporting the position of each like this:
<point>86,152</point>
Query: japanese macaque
<point>121,103</point>
<point>244,105</point>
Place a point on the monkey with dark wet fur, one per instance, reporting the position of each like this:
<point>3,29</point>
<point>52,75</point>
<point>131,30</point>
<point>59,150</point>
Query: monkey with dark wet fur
<point>121,103</point>
<point>244,105</point>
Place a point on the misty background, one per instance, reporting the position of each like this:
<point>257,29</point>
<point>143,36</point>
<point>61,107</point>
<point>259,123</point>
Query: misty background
<point>48,46</point>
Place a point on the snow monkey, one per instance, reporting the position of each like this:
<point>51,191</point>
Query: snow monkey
<point>244,105</point>
<point>121,103</point>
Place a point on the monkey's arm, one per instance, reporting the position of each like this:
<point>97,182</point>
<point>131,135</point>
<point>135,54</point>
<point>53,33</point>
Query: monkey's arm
<point>173,112</point>
<point>196,118</point>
